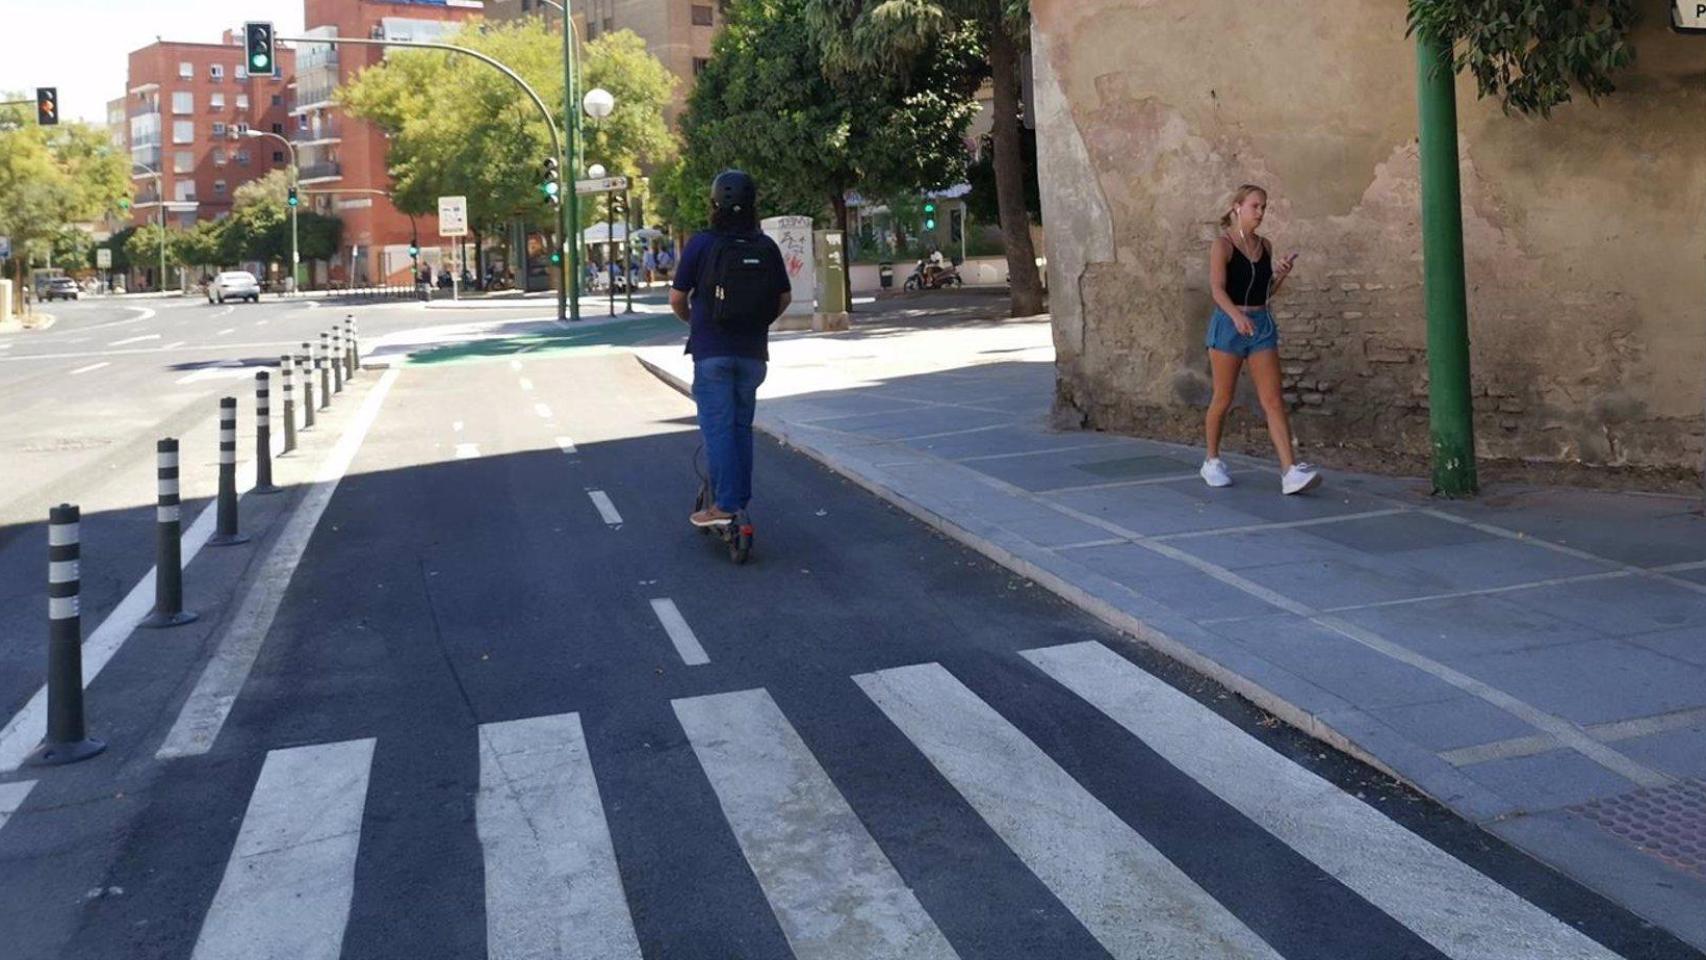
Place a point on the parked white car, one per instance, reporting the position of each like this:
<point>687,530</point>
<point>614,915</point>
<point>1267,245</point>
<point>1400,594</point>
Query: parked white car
<point>234,285</point>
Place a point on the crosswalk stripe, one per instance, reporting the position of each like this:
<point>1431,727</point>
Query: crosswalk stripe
<point>679,632</point>
<point>1130,897</point>
<point>606,509</point>
<point>834,892</point>
<point>12,797</point>
<point>552,888</point>
<point>288,884</point>
<point>1459,910</point>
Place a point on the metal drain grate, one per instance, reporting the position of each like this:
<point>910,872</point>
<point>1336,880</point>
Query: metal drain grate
<point>1665,822</point>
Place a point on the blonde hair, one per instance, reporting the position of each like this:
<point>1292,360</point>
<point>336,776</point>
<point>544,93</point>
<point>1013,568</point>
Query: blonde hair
<point>1238,198</point>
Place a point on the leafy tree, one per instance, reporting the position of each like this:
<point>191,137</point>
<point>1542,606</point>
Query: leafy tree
<point>119,244</point>
<point>259,226</point>
<point>871,39</point>
<point>1530,53</point>
<point>51,178</point>
<point>143,246</point>
<point>634,140</point>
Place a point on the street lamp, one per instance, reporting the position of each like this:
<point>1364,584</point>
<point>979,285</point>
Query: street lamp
<point>569,212</point>
<point>160,213</point>
<point>295,173</point>
<point>598,103</point>
<point>596,171</point>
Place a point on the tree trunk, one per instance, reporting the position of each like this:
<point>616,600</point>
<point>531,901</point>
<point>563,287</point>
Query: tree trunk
<point>1010,174</point>
<point>838,200</point>
<point>479,259</point>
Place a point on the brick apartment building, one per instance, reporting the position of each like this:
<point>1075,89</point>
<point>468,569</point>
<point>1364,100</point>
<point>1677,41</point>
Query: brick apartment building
<point>338,153</point>
<point>184,107</point>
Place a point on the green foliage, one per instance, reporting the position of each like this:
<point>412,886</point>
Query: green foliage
<point>981,203</point>
<point>634,140</point>
<point>1532,53</point>
<point>53,177</point>
<point>119,243</point>
<point>142,247</point>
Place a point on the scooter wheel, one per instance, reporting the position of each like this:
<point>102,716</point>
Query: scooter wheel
<point>740,544</point>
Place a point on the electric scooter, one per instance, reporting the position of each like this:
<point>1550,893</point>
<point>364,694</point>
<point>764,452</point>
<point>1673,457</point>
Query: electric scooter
<point>737,533</point>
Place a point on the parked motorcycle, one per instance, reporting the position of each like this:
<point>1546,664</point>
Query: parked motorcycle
<point>933,276</point>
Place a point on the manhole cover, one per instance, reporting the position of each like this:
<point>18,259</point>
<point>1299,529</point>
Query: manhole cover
<point>1135,467</point>
<point>1664,822</point>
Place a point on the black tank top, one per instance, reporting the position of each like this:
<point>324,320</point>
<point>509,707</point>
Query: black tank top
<point>1247,283</point>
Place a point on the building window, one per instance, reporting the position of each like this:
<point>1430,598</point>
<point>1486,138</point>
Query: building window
<point>183,131</point>
<point>609,24</point>
<point>219,188</point>
<point>242,101</point>
<point>242,158</point>
<point>216,72</point>
<point>219,156</point>
<point>240,71</point>
<point>183,161</point>
<point>302,121</point>
<point>277,100</point>
<point>592,30</point>
<point>702,15</point>
<point>219,131</point>
<point>186,70</point>
<point>183,102</point>
<point>238,129</point>
<point>216,101</point>
<point>183,191</point>
<point>278,156</point>
<point>699,65</point>
<point>278,128</point>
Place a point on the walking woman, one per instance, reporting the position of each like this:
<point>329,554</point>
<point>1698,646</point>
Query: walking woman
<point>1244,280</point>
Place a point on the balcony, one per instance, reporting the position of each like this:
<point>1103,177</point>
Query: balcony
<point>321,171</point>
<point>146,153</point>
<point>321,132</point>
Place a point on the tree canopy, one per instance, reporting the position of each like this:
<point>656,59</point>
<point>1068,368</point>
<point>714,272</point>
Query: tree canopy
<point>52,178</point>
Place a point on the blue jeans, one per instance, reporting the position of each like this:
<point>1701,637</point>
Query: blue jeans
<point>726,390</point>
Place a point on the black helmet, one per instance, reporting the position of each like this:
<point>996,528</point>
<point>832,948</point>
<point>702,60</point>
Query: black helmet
<point>734,191</point>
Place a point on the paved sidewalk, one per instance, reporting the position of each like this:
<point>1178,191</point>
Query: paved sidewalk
<point>1535,659</point>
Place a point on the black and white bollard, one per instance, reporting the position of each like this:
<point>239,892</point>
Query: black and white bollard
<point>352,344</point>
<point>288,375</point>
<point>225,532</point>
<point>168,551</point>
<point>68,739</point>
<point>263,434</point>
<point>325,373</point>
<point>337,359</point>
<point>306,364</point>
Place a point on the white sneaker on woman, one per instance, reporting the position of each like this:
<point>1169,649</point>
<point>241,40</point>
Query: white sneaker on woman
<point>1299,478</point>
<point>1214,473</point>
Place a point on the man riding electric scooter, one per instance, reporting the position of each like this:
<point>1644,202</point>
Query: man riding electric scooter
<point>730,286</point>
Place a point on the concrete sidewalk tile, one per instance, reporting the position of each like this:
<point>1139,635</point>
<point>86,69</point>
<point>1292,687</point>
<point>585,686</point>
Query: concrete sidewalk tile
<point>1454,630</point>
<point>1141,467</point>
<point>1399,532</point>
<point>1258,494</point>
<point>1364,678</point>
<point>1596,681</point>
<point>1346,581</point>
<point>907,423</point>
<point>1236,550</point>
<point>1620,607</point>
<point>1497,562</point>
<point>1680,753</point>
<point>1048,529</point>
<point>1460,721</point>
<point>1548,781</point>
<point>1687,645</point>
<point>837,404</point>
<point>1644,531</point>
<point>1130,564</point>
<point>1200,597</point>
<point>1023,439</point>
<point>1153,509</point>
<point>1045,473</point>
<point>1417,764</point>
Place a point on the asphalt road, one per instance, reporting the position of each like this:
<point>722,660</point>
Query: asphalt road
<point>512,705</point>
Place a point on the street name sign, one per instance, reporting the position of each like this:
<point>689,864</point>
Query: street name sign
<point>601,185</point>
<point>452,216</point>
<point>1689,16</point>
<point>104,258</point>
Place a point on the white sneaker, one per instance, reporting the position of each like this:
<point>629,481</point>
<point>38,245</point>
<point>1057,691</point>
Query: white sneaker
<point>1299,478</point>
<point>1214,473</point>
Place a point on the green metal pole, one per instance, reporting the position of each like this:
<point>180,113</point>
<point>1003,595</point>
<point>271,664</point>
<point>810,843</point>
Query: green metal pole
<point>1450,409</point>
<point>569,213</point>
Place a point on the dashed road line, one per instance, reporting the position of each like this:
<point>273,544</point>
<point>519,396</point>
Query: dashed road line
<point>542,410</point>
<point>127,340</point>
<point>227,330</point>
<point>679,632</point>
<point>175,344</point>
<point>467,451</point>
<point>526,384</point>
<point>566,445</point>
<point>606,509</point>
<point>90,368</point>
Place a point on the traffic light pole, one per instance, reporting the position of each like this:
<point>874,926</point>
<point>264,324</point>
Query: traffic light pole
<point>550,124</point>
<point>569,212</point>
<point>295,178</point>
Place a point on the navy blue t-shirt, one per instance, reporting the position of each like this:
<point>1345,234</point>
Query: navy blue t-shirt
<point>705,338</point>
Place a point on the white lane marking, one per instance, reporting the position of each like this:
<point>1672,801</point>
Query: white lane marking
<point>832,888</point>
<point>12,797</point>
<point>542,410</point>
<point>467,451</point>
<point>126,340</point>
<point>456,426</point>
<point>5,346</point>
<point>78,340</point>
<point>262,323</point>
<point>90,368</point>
<point>552,888</point>
<point>566,445</point>
<point>142,313</point>
<point>606,509</point>
<point>1463,913</point>
<point>204,713</point>
<point>291,876</point>
<point>515,364</point>
<point>227,330</point>
<point>679,632</point>
<point>526,384</point>
<point>232,370</point>
<point>1130,897</point>
<point>225,312</point>
<point>173,345</point>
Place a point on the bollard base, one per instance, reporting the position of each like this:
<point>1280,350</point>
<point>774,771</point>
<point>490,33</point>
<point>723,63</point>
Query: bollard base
<point>161,621</point>
<point>226,539</point>
<point>59,754</point>
<point>263,491</point>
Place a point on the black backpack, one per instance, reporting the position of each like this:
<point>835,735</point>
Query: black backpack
<point>737,278</point>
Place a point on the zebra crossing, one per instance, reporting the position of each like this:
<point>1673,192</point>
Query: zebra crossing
<point>556,884</point>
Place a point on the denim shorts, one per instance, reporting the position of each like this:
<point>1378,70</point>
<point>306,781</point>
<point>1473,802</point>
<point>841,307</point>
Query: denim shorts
<point>1224,336</point>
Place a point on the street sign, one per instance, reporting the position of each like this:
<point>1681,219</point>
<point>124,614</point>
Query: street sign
<point>104,258</point>
<point>601,185</point>
<point>452,216</point>
<point>1688,16</point>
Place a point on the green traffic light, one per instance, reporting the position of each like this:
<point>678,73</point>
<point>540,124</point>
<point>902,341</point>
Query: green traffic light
<point>260,61</point>
<point>556,258</point>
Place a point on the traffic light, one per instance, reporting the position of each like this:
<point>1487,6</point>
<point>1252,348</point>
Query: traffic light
<point>552,185</point>
<point>291,198</point>
<point>414,250</point>
<point>929,215</point>
<point>556,258</point>
<point>47,106</point>
<point>257,42</point>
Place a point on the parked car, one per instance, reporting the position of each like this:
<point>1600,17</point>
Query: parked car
<point>61,288</point>
<point>234,285</point>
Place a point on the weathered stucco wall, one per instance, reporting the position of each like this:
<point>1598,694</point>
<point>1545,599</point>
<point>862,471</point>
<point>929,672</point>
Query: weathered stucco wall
<point>1585,233</point>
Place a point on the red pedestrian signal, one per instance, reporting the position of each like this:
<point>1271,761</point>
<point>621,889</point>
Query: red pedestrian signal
<point>47,106</point>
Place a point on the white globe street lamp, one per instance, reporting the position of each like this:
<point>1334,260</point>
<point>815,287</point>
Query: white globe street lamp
<point>598,103</point>
<point>596,171</point>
